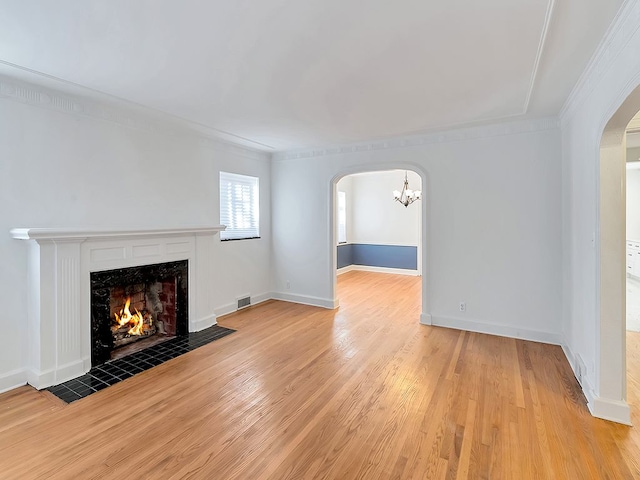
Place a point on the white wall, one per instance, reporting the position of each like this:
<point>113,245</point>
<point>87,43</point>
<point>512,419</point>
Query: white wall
<point>373,217</point>
<point>633,154</point>
<point>377,217</point>
<point>633,194</point>
<point>75,170</point>
<point>493,230</point>
<point>633,204</point>
<point>611,77</point>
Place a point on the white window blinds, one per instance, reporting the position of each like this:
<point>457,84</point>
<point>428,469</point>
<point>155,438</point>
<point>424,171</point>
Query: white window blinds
<point>239,206</point>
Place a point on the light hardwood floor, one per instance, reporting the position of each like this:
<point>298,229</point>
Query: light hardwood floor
<point>364,391</point>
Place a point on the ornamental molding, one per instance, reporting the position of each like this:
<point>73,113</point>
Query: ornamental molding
<point>81,234</point>
<point>449,136</point>
<point>128,115</point>
<point>60,263</point>
<point>620,32</point>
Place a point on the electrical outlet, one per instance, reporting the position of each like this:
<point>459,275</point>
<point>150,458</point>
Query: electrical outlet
<point>463,307</point>
<point>288,284</point>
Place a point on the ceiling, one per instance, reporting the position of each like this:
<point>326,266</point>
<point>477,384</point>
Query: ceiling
<point>284,74</point>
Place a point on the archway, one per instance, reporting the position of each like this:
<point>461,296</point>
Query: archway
<point>425,316</point>
<point>610,401</point>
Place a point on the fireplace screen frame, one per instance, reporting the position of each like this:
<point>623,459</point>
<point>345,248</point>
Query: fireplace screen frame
<point>102,282</point>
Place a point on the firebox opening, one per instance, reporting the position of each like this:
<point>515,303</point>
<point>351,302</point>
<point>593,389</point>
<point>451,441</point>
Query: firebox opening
<point>142,315</point>
<point>135,308</point>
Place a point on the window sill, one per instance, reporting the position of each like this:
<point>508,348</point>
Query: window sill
<point>235,239</point>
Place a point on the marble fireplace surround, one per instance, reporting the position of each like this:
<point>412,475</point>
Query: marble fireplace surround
<point>59,305</point>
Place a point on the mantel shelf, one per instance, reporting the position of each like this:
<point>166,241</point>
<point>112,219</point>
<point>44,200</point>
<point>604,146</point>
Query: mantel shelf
<point>68,234</point>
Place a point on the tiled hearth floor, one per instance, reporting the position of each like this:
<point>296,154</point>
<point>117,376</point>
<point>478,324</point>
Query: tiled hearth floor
<point>115,371</point>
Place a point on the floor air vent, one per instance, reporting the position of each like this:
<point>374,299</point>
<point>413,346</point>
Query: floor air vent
<point>244,302</point>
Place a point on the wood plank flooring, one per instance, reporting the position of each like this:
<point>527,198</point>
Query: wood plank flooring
<point>300,392</point>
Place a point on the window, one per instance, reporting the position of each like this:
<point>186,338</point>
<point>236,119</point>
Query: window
<point>342,217</point>
<point>239,206</point>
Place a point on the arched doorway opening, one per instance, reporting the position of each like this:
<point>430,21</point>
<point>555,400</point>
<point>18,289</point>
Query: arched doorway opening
<point>423,250</point>
<point>609,400</point>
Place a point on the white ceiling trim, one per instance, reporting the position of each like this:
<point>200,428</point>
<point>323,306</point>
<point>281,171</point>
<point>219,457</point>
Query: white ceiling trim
<point>118,102</point>
<point>144,118</point>
<point>457,135</point>
<point>536,63</point>
<point>623,27</point>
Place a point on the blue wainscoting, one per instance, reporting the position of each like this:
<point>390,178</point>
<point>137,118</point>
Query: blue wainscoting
<point>345,255</point>
<point>389,256</point>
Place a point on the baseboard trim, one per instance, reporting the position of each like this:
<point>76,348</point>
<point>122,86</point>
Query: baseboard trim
<point>367,268</point>
<point>226,309</point>
<point>499,330</point>
<point>39,379</point>
<point>233,307</point>
<point>571,358</point>
<point>13,379</point>
<point>307,300</point>
<point>607,409</point>
<point>346,269</point>
<point>263,297</point>
<point>205,322</point>
<point>425,319</point>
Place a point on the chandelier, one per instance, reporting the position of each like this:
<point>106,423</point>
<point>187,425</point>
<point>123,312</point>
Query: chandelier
<point>407,196</point>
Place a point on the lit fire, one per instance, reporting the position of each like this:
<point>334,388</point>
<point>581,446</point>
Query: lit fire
<point>136,320</point>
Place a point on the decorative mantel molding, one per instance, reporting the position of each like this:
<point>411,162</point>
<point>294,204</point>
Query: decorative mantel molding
<point>101,233</point>
<point>61,261</point>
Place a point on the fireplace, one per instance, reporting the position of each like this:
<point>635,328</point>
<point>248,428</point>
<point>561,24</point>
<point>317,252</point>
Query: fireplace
<point>137,307</point>
<point>64,262</point>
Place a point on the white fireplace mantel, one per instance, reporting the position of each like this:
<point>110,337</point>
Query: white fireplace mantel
<point>60,264</point>
<point>102,233</point>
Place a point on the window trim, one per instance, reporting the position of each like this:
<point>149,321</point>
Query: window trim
<point>246,211</point>
<point>341,227</point>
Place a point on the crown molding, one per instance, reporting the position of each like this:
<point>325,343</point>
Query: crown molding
<point>536,63</point>
<point>454,135</point>
<point>127,115</point>
<point>623,27</point>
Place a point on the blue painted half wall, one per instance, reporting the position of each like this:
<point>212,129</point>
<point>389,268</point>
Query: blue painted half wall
<point>345,255</point>
<point>389,256</point>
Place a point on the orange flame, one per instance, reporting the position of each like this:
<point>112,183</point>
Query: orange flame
<point>126,317</point>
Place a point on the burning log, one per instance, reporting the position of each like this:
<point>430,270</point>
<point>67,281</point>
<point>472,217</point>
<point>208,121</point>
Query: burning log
<point>130,327</point>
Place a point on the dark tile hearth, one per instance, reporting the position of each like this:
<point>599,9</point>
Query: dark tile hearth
<point>115,371</point>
